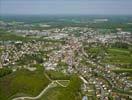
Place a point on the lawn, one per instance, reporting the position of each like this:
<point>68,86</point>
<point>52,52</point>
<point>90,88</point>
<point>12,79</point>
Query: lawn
<point>22,82</point>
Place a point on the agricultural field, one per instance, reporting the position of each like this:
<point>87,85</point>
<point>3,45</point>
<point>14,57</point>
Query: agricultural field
<point>118,56</point>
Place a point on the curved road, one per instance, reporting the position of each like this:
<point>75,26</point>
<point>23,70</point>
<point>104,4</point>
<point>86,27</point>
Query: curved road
<point>52,84</point>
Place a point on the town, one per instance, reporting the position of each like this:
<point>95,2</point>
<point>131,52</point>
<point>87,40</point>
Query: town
<point>100,58</point>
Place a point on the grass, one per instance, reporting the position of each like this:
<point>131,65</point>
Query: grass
<point>22,82</point>
<point>122,70</point>
<point>121,91</point>
<point>10,36</point>
<point>86,63</point>
<point>64,82</point>
<point>1,50</point>
<point>115,55</point>
<point>71,92</point>
<point>5,71</point>
<point>56,75</point>
<point>93,50</point>
<point>119,50</point>
<point>118,56</point>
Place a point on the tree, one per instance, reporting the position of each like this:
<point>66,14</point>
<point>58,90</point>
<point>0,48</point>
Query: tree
<point>5,71</point>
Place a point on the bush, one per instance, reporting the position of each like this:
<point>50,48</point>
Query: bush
<point>5,71</point>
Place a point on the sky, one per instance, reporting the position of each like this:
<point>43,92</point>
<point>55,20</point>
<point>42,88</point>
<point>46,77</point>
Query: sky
<point>55,7</point>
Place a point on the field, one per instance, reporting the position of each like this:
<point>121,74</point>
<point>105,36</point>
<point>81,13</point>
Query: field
<point>122,70</point>
<point>56,75</point>
<point>118,56</point>
<point>62,90</point>
<point>21,83</point>
<point>71,92</point>
<point>6,36</point>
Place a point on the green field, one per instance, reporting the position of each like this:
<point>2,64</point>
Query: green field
<point>118,56</point>
<point>114,55</point>
<point>22,82</point>
<point>56,75</point>
<point>92,50</point>
<point>122,70</point>
<point>71,92</point>
<point>64,82</point>
<point>6,36</point>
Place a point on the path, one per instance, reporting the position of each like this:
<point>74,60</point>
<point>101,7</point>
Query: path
<point>52,84</point>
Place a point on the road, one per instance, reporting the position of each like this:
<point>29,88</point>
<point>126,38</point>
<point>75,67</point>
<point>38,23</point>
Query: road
<point>51,85</point>
<point>85,81</point>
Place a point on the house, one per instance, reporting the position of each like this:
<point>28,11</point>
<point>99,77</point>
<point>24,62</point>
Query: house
<point>85,98</point>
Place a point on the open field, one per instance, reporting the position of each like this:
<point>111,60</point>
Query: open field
<point>59,90</point>
<point>118,56</point>
<point>71,92</point>
<point>56,75</point>
<point>22,82</point>
<point>122,70</point>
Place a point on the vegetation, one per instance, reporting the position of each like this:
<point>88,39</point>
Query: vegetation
<point>22,81</point>
<point>120,45</point>
<point>71,92</point>
<point>121,91</point>
<point>5,71</point>
<point>64,82</point>
<point>30,58</point>
<point>62,65</point>
<point>11,37</point>
<point>122,70</point>
<point>57,75</point>
<point>118,56</point>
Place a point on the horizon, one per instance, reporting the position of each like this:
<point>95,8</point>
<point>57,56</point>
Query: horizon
<point>62,7</point>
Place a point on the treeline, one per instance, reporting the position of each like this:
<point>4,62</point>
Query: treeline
<point>8,36</point>
<point>121,45</point>
<point>27,58</point>
<point>5,71</point>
